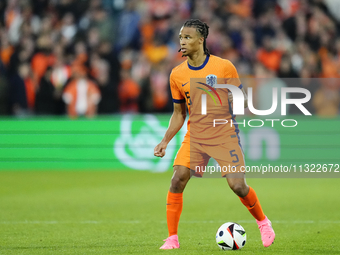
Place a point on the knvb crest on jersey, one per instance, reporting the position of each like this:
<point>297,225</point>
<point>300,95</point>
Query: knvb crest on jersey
<point>211,80</point>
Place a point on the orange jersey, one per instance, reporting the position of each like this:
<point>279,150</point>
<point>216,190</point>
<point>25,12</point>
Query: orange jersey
<point>214,70</point>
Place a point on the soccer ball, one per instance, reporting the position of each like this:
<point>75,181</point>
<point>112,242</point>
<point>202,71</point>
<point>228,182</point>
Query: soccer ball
<point>231,236</point>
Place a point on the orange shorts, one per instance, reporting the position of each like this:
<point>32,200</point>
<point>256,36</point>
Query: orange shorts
<point>195,156</point>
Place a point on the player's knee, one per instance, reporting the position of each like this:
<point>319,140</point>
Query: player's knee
<point>177,182</point>
<point>179,179</point>
<point>239,188</point>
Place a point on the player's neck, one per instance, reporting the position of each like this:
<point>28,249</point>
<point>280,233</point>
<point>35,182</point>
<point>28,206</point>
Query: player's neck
<point>197,59</point>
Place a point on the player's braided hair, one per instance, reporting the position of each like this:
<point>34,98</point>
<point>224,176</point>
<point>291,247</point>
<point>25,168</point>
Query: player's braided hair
<point>201,28</point>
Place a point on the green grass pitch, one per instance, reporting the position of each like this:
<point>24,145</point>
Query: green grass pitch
<point>107,212</point>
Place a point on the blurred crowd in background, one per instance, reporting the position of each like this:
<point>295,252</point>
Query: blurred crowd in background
<point>88,57</point>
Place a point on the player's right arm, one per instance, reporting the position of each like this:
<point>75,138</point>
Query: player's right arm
<point>176,122</point>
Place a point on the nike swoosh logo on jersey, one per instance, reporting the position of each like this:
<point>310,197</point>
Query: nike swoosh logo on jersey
<point>184,84</point>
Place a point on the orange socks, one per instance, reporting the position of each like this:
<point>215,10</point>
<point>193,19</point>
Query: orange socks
<point>174,205</point>
<point>253,205</point>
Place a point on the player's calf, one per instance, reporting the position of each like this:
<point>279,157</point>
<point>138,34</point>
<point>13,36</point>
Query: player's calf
<point>238,186</point>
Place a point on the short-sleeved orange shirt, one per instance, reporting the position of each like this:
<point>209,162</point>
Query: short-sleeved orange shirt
<point>214,70</point>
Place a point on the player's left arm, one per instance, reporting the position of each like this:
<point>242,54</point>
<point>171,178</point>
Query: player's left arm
<point>233,77</point>
<point>230,96</point>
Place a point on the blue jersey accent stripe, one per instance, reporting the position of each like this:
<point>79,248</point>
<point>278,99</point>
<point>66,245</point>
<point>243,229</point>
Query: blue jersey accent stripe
<point>240,87</point>
<point>201,66</point>
<point>178,101</point>
<point>237,130</point>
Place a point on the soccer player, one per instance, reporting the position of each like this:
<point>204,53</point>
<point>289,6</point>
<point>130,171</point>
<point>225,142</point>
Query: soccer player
<point>200,146</point>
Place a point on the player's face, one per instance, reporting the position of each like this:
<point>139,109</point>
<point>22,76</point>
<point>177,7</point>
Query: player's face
<point>190,40</point>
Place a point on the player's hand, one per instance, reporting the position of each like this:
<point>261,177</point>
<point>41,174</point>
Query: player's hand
<point>159,150</point>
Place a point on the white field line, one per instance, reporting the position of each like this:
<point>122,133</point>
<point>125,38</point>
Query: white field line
<point>54,222</point>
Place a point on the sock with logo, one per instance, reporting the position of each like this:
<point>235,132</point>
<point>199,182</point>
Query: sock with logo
<point>253,205</point>
<point>174,205</point>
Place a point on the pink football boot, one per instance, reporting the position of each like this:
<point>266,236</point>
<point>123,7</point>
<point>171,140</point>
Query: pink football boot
<point>267,232</point>
<point>170,243</point>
